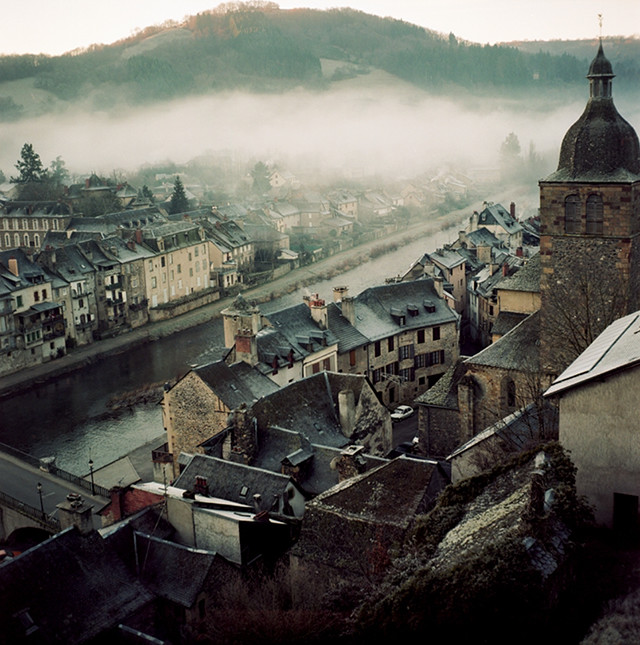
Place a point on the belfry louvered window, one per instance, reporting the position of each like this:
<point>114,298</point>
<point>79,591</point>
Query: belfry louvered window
<point>572,214</point>
<point>594,215</point>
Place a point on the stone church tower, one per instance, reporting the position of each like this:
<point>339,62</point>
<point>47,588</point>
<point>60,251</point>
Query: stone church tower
<point>590,227</point>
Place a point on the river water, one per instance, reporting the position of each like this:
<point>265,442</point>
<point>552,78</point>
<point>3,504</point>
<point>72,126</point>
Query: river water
<point>68,418</point>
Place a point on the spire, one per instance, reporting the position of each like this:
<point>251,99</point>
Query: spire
<point>600,145</point>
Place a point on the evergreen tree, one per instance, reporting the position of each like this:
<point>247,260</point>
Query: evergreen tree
<point>145,193</point>
<point>260,175</point>
<point>30,167</point>
<point>179,202</point>
<point>58,172</point>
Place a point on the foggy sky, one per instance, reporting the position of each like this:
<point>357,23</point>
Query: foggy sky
<point>401,130</point>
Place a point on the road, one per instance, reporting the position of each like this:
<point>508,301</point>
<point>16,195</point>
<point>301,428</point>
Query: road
<point>20,480</point>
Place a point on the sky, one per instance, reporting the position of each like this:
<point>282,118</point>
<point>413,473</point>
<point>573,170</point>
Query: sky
<point>57,26</point>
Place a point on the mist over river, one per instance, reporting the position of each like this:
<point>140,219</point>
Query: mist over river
<point>68,417</point>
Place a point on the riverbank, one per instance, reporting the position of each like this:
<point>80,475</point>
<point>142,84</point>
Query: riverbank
<point>305,276</point>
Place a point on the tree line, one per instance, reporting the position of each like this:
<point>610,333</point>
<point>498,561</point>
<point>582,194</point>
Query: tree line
<point>259,47</point>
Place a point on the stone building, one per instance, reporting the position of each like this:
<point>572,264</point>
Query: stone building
<point>590,226</point>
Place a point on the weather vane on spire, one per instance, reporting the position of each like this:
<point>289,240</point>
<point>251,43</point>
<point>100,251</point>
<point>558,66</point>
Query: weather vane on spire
<point>600,23</point>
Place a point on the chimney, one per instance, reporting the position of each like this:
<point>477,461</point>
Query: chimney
<point>319,311</point>
<point>257,503</point>
<point>349,310</point>
<point>512,210</point>
<point>247,347</point>
<point>87,183</point>
<point>438,283</point>
<point>350,463</point>
<point>200,487</point>
<point>244,441</point>
<point>339,293</point>
<point>74,512</point>
<point>347,411</point>
<point>138,236</point>
<point>505,270</point>
<point>519,252</point>
<point>13,266</point>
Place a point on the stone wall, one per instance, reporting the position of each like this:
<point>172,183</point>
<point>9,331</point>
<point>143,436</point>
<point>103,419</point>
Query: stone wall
<point>191,413</point>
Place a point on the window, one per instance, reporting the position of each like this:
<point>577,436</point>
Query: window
<point>376,376</point>
<point>511,394</point>
<point>572,214</point>
<point>190,272</point>
<point>163,261</point>
<point>179,268</point>
<point>81,304</point>
<point>36,240</point>
<point>36,296</point>
<point>420,360</point>
<point>196,251</point>
<point>405,351</point>
<point>55,224</point>
<point>376,348</point>
<point>16,239</point>
<point>7,240</point>
<point>26,239</point>
<point>44,294</point>
<point>407,374</point>
<point>315,368</point>
<point>326,364</point>
<point>421,335</point>
<point>154,282</point>
<point>18,301</point>
<point>390,343</point>
<point>150,265</point>
<point>595,210</point>
<point>436,333</point>
<point>435,358</point>
<point>352,357</point>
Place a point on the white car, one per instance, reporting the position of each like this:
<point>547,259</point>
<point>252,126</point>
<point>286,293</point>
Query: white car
<point>401,412</point>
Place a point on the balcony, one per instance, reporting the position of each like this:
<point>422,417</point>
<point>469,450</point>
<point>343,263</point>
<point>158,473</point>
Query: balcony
<point>80,294</point>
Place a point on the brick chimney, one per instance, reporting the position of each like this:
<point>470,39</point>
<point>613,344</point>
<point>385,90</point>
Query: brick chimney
<point>247,347</point>
<point>512,210</point>
<point>244,441</point>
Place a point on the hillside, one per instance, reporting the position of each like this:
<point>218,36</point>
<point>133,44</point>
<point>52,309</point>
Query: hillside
<point>272,50</point>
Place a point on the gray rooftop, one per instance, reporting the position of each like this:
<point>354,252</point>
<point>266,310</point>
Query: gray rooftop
<point>526,278</point>
<point>615,349</point>
<point>235,384</point>
<point>517,350</point>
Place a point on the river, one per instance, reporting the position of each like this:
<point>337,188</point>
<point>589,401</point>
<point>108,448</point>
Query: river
<point>68,418</point>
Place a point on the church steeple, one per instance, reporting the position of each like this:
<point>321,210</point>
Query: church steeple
<point>600,145</point>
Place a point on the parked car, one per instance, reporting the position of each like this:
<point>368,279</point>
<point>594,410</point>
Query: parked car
<point>401,412</point>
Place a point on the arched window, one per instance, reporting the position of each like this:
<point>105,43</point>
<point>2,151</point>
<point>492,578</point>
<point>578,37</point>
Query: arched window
<point>595,211</point>
<point>36,240</point>
<point>572,214</point>
<point>7,241</point>
<point>26,239</point>
<point>16,240</point>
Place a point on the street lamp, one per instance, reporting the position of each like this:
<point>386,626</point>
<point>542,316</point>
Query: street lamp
<point>93,487</point>
<point>39,487</point>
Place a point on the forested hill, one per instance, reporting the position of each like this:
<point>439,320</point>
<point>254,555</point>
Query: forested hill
<point>262,48</point>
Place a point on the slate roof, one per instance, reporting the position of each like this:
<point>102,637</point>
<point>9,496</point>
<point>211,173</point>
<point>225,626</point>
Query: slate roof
<point>378,309</point>
<point>498,215</point>
<point>526,278</point>
<point>231,481</point>
<point>317,474</point>
<point>449,258</point>
<point>174,572</point>
<point>517,350</point>
<point>506,321</point>
<point>483,237</point>
<point>309,406</point>
<point>393,493</point>
<point>444,393</point>
<point>517,429</point>
<point>74,587</point>
<point>301,331</point>
<point>615,349</point>
<point>235,384</point>
<point>348,336</point>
